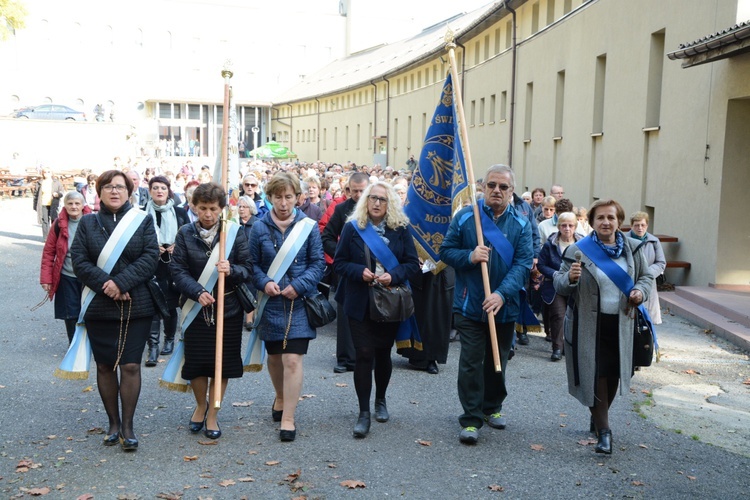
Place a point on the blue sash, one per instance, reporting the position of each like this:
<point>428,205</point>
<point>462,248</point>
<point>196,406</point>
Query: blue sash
<point>255,352</point>
<point>75,364</point>
<point>506,251</point>
<point>408,331</point>
<point>619,277</point>
<point>172,376</point>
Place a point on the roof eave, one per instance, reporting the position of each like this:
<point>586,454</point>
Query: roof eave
<point>715,49</point>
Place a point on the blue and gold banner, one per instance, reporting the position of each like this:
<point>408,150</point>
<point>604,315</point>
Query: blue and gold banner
<point>439,185</point>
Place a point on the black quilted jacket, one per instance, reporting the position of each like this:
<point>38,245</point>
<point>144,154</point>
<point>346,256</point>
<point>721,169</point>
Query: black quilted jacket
<point>135,266</point>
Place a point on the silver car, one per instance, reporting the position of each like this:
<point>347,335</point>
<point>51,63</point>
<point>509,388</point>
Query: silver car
<point>50,112</point>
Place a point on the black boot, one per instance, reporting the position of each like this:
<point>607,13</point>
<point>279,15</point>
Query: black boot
<point>362,427</point>
<point>604,445</point>
<point>153,343</point>
<point>168,346</point>
<point>381,410</point>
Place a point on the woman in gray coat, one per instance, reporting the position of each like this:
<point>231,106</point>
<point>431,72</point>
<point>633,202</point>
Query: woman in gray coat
<point>598,327</point>
<point>655,259</point>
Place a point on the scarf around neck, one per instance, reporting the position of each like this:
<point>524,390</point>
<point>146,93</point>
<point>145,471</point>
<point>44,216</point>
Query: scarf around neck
<point>380,230</point>
<point>167,231</point>
<point>636,237</point>
<point>208,235</point>
<point>613,252</point>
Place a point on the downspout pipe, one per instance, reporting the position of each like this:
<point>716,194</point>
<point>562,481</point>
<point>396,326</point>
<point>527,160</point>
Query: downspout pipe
<point>374,119</point>
<point>514,52</point>
<point>387,121</point>
<point>317,130</point>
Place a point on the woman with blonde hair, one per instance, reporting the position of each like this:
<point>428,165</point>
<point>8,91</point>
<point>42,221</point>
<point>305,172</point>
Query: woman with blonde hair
<point>376,228</point>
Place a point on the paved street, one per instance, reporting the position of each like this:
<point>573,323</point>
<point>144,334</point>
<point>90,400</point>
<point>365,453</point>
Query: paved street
<point>682,432</point>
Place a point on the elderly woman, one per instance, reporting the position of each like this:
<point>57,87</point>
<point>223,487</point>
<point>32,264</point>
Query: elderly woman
<point>89,193</point>
<point>599,326</point>
<point>654,258</point>
<point>48,192</point>
<point>250,188</point>
<point>283,322</point>
<point>57,276</point>
<point>193,247</point>
<point>305,204</point>
<point>582,215</point>
<point>547,209</point>
<point>247,216</point>
<point>550,258</point>
<point>379,214</point>
<point>168,218</point>
<point>314,194</point>
<point>118,318</point>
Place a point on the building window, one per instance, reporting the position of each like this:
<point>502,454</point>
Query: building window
<point>473,114</point>
<point>486,47</point>
<point>325,138</point>
<point>481,111</point>
<point>550,12</point>
<point>503,105</point>
<point>559,103</point>
<point>655,78</point>
<point>476,53</point>
<point>534,18</point>
<point>599,81</point>
<point>567,6</point>
<point>492,108</point>
<point>529,109</point>
<point>508,34</point>
<point>359,135</point>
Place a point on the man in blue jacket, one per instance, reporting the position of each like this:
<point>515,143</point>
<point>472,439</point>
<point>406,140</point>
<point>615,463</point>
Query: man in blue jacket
<point>508,251</point>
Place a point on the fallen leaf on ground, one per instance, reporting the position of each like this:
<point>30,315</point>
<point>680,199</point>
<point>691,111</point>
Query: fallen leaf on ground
<point>746,381</point>
<point>227,482</point>
<point>692,478</point>
<point>88,389</point>
<point>85,496</point>
<point>273,462</point>
<point>246,480</point>
<point>93,430</point>
<point>341,384</point>
<point>643,446</point>
<point>352,484</point>
<point>638,483</point>
<point>208,443</point>
<point>692,372</point>
<point>2,387</point>
<point>537,447</point>
<point>169,496</point>
<point>646,391</point>
<point>190,458</point>
<point>586,442</point>
<point>332,466</point>
<point>242,403</point>
<point>306,396</point>
<point>51,436</point>
<point>423,442</point>
<point>37,492</point>
<point>252,452</point>
<point>414,402</point>
<point>206,475</point>
<point>496,487</point>
<point>293,476</point>
<point>563,414</point>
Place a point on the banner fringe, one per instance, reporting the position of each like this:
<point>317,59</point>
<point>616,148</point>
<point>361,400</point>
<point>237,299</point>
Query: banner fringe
<point>71,375</point>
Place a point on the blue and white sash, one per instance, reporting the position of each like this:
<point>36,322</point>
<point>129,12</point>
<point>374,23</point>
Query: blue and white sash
<point>172,376</point>
<point>75,364</point>
<point>506,252</point>
<point>255,352</point>
<point>615,273</point>
<point>408,331</point>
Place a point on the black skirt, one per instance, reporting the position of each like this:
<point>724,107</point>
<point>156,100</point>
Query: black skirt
<point>105,339</point>
<point>200,348</point>
<point>372,334</point>
<point>608,359</point>
<point>68,298</point>
<point>293,346</point>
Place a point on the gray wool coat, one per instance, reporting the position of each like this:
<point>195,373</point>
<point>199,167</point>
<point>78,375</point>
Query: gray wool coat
<point>582,320</point>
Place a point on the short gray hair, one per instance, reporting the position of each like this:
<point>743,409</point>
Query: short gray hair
<point>502,169</point>
<point>249,202</point>
<point>73,195</point>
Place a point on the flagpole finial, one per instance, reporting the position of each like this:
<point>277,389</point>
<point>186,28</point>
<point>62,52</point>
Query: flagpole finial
<point>450,39</point>
<point>226,70</point>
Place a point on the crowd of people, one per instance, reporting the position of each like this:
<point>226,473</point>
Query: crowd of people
<point>132,253</point>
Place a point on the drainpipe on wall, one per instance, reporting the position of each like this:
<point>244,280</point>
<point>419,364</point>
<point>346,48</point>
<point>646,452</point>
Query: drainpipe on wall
<point>387,121</point>
<point>317,131</point>
<point>514,51</point>
<point>291,129</point>
<point>374,120</point>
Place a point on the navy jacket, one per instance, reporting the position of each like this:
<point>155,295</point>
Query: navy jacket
<point>135,266</point>
<point>349,263</point>
<point>550,259</point>
<point>456,250</point>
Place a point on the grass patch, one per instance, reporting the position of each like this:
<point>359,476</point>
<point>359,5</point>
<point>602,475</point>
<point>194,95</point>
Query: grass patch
<point>648,402</point>
<point>695,437</point>
<point>678,431</point>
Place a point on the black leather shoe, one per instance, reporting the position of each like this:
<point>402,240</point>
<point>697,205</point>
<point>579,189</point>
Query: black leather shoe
<point>153,354</point>
<point>276,414</point>
<point>196,427</point>
<point>381,411</point>
<point>556,355</point>
<point>523,339</point>
<point>287,435</point>
<point>168,347</point>
<point>362,427</point>
<point>605,442</point>
<point>511,353</point>
<point>432,368</point>
<point>213,434</point>
<point>130,444</point>
<point>341,368</point>
<point>112,439</point>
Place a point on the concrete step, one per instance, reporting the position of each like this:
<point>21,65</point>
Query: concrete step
<point>735,306</point>
<point>731,330</point>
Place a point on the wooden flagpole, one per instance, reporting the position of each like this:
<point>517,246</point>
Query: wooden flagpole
<point>463,133</point>
<point>218,365</point>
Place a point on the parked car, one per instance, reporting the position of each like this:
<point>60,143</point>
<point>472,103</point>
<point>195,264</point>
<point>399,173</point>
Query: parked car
<point>50,112</point>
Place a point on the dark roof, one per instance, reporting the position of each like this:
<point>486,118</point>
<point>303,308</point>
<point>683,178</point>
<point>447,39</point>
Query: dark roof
<point>720,45</point>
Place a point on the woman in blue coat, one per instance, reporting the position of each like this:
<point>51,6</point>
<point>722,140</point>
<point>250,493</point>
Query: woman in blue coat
<point>380,207</point>
<point>283,323</point>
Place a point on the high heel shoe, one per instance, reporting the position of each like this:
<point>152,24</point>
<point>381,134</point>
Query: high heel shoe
<point>276,414</point>
<point>128,444</point>
<point>362,427</point>
<point>212,434</point>
<point>196,427</point>
<point>287,435</point>
<point>605,442</point>
<point>112,439</point>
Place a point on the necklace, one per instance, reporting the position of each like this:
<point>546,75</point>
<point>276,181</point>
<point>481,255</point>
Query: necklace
<point>288,325</point>
<point>123,334</point>
<point>208,317</point>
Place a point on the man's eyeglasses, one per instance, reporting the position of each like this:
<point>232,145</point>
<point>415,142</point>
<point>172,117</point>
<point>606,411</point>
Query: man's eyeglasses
<point>377,199</point>
<point>112,188</point>
<point>493,185</point>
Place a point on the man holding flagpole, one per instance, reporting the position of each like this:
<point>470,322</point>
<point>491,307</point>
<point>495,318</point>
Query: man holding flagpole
<point>507,248</point>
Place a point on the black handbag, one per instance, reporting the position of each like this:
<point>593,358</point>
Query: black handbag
<point>643,340</point>
<point>157,295</point>
<point>390,303</point>
<point>246,298</point>
<point>320,312</point>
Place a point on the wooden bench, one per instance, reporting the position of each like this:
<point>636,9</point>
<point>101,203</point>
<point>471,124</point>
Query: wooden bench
<point>678,264</point>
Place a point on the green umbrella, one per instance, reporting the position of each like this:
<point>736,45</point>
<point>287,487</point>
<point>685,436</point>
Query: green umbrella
<point>272,150</point>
